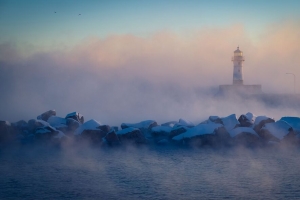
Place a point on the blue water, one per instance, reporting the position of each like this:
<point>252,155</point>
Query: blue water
<point>148,173</point>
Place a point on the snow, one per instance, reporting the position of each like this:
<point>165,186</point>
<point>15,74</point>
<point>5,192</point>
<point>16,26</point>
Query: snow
<point>213,118</point>
<point>126,130</point>
<point>234,132</point>
<point>89,125</point>
<point>57,122</point>
<point>278,129</point>
<point>200,129</point>
<point>230,122</point>
<point>72,114</point>
<point>143,124</point>
<point>258,119</point>
<point>170,124</point>
<point>250,116</point>
<point>183,122</point>
<point>166,129</point>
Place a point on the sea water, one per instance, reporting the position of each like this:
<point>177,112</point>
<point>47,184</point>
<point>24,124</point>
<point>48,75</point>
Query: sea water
<point>156,172</point>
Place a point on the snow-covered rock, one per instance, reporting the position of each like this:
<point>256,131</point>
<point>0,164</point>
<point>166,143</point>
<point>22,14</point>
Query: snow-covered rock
<point>76,116</point>
<point>72,124</point>
<point>247,120</point>
<point>259,119</point>
<point>57,122</point>
<point>177,131</point>
<point>278,129</point>
<point>183,122</point>
<point>89,125</point>
<point>200,129</point>
<point>230,122</point>
<point>234,132</point>
<point>147,124</point>
<point>90,131</point>
<point>111,138</point>
<point>170,124</point>
<point>161,130</point>
<point>260,122</point>
<point>294,122</point>
<point>45,116</point>
<point>131,134</point>
<point>5,131</point>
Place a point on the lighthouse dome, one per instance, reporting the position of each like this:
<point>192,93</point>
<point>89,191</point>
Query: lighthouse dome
<point>238,52</point>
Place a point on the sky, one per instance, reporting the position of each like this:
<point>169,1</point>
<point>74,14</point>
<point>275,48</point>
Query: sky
<point>155,57</point>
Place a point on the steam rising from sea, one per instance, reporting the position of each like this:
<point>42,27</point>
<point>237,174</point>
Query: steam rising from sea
<point>148,173</point>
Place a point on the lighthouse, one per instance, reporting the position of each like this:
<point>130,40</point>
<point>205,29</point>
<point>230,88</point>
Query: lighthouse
<point>238,60</point>
<point>238,86</point>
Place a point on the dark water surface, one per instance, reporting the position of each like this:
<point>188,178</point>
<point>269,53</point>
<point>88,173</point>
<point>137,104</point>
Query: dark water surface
<point>148,173</point>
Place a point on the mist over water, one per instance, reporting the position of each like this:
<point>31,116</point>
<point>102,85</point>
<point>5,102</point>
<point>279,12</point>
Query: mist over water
<point>148,173</point>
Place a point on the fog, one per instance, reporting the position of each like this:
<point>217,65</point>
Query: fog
<point>166,76</point>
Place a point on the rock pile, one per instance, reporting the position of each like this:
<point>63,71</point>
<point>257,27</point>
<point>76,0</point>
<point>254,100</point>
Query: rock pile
<point>247,130</point>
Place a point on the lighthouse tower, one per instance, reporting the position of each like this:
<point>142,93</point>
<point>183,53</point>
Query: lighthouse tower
<point>237,60</point>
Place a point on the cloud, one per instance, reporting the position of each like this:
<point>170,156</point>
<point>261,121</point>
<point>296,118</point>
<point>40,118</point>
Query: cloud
<point>126,78</point>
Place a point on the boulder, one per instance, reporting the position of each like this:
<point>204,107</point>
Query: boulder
<point>278,129</point>
<point>202,140</point>
<point>201,129</point>
<point>6,131</point>
<point>45,133</point>
<point>185,123</point>
<point>45,116</point>
<point>294,122</point>
<point>161,131</point>
<point>76,116</point>
<point>230,122</point>
<point>245,136</point>
<point>222,136</point>
<point>215,119</point>
<point>131,135</point>
<point>247,139</point>
<point>58,122</point>
<point>72,124</point>
<point>170,124</point>
<point>115,128</point>
<point>21,127</point>
<point>291,138</point>
<point>90,130</point>
<point>105,128</point>
<point>247,120</point>
<point>112,139</point>
<point>147,124</point>
<point>260,121</point>
<point>177,131</point>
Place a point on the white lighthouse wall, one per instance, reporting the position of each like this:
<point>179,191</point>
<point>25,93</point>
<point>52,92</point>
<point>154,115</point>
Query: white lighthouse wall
<point>238,73</point>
